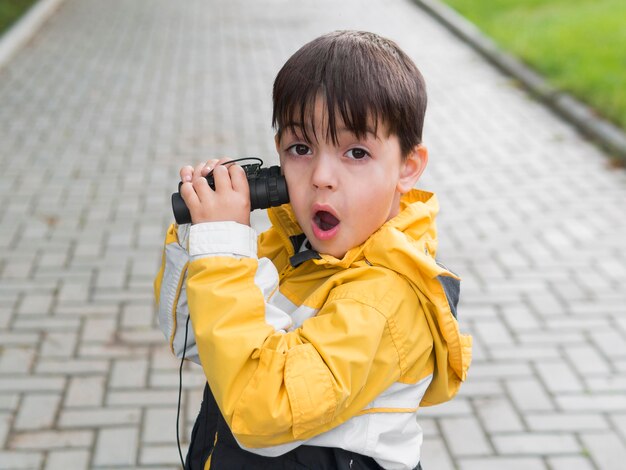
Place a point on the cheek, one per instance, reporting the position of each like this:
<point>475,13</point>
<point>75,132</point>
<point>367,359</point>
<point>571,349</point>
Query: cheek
<point>375,203</point>
<point>374,192</point>
<point>296,188</point>
<point>294,183</point>
<point>290,169</point>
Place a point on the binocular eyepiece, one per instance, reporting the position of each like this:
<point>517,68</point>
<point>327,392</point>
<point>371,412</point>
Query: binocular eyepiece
<point>268,188</point>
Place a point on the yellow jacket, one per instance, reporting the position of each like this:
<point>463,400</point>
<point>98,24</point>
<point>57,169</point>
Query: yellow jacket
<point>329,352</point>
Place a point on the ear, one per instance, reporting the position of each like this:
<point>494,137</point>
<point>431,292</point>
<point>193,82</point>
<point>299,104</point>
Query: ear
<point>412,168</point>
<point>277,142</point>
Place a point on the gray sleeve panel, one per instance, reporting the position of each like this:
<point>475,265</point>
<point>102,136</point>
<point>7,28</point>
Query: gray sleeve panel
<point>173,309</point>
<point>452,288</point>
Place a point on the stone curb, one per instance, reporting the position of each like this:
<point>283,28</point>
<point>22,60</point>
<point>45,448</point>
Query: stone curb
<point>609,136</point>
<point>25,28</point>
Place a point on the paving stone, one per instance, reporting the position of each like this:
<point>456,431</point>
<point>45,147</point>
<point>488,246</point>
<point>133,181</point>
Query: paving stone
<point>619,421</point>
<point>566,421</point>
<point>36,304</point>
<point>605,449</point>
<point>16,360</point>
<point>45,324</point>
<point>597,322</point>
<point>116,446</point>
<point>498,415</point>
<point>141,336</point>
<point>435,455</point>
<point>493,332</point>
<point>19,339</point>
<point>529,395</point>
<point>567,463</point>
<point>99,417</point>
<point>498,463</point>
<point>516,352</point>
<point>501,370</point>
<point>159,426</point>
<point>520,318</point>
<point>74,292</point>
<point>597,402</point>
<point>5,424</point>
<point>140,315</point>
<point>31,384</point>
<point>586,359</point>
<point>129,373</point>
<point>160,379</point>
<point>64,459</point>
<point>151,455</point>
<point>142,397</point>
<point>611,343</point>
<point>99,329</point>
<point>549,337</point>
<point>85,391</point>
<point>109,351</point>
<point>9,401</point>
<point>71,366</point>
<point>58,344</point>
<point>609,383</point>
<point>21,460</point>
<point>39,440</point>
<point>465,436</point>
<point>558,376</point>
<point>37,411</point>
<point>535,443</point>
<point>482,388</point>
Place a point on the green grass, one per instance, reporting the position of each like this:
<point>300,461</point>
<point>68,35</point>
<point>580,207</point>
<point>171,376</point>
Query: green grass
<point>11,10</point>
<point>578,45</point>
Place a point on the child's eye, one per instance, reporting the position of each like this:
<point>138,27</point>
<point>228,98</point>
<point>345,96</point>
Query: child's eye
<point>299,149</point>
<point>357,153</point>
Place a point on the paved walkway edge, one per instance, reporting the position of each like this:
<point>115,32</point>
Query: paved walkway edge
<point>25,28</point>
<point>610,137</point>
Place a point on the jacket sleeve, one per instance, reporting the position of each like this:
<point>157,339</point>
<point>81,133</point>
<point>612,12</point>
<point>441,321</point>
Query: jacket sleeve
<point>170,284</point>
<point>275,386</point>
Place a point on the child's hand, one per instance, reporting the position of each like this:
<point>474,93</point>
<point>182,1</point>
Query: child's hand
<point>229,202</point>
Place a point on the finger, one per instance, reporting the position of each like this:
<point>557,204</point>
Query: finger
<point>189,195</point>
<point>211,164</point>
<point>200,183</point>
<point>197,172</point>
<point>186,173</point>
<point>238,180</point>
<point>222,179</point>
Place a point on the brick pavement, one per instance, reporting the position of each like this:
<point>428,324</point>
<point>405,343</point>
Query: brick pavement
<point>99,110</point>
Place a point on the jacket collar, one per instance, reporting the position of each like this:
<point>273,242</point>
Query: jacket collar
<point>415,220</point>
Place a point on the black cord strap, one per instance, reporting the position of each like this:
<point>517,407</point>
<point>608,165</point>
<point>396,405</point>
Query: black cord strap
<point>180,392</point>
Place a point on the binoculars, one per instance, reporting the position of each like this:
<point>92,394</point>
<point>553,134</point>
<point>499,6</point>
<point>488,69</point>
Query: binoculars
<point>268,188</point>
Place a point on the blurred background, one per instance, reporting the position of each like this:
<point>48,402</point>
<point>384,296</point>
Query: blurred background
<point>102,102</point>
<point>579,47</point>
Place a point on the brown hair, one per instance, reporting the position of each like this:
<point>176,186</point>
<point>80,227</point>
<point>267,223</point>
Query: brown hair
<point>368,79</point>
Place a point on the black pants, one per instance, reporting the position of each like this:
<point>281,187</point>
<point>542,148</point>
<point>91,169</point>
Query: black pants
<point>227,455</point>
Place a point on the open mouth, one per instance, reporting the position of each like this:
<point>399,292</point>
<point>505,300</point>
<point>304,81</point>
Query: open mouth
<point>325,220</point>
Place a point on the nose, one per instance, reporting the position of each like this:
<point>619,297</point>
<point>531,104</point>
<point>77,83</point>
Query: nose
<point>324,174</point>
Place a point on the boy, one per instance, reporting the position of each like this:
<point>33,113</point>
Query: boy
<point>319,350</point>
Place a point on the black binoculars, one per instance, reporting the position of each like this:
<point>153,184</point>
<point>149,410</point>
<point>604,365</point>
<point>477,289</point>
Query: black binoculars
<point>268,188</point>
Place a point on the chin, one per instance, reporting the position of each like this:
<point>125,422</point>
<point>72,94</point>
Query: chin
<point>335,253</point>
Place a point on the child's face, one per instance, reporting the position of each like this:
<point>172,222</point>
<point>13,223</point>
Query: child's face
<point>343,193</point>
